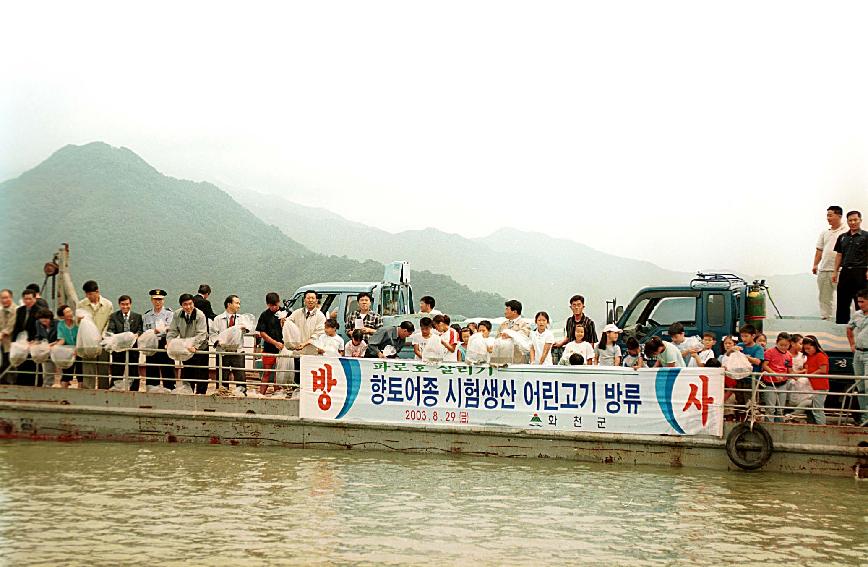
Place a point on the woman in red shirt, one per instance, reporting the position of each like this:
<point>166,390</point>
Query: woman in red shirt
<point>817,362</point>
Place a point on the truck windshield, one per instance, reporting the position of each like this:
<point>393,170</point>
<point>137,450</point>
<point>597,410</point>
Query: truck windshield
<point>663,311</point>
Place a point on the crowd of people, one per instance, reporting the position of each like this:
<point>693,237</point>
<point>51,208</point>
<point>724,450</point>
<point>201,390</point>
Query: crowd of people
<point>840,262</point>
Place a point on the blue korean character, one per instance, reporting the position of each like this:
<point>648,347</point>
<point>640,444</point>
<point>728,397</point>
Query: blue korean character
<point>507,394</point>
<point>378,388</point>
<point>450,394</point>
<point>396,389</point>
<point>589,391</point>
<point>412,389</point>
<point>430,391</point>
<point>489,393</point>
<point>531,394</point>
<point>613,394</point>
<point>569,399</point>
<point>471,392</point>
<point>632,398</point>
<point>550,395</point>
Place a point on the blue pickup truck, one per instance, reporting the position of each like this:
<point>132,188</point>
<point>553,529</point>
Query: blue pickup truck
<point>721,303</point>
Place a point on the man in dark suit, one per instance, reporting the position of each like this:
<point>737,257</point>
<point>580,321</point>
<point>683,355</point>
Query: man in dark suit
<point>40,301</point>
<point>125,321</point>
<point>200,302</point>
<point>25,322</point>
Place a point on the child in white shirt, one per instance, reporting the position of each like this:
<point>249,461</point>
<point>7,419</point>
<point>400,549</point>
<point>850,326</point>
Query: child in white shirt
<point>356,346</point>
<point>330,344</point>
<point>707,353</point>
<point>541,341</point>
<point>579,346</point>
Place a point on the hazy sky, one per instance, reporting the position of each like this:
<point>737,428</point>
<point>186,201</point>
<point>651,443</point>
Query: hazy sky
<point>692,134</point>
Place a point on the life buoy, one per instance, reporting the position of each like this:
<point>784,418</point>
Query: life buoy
<point>739,455</point>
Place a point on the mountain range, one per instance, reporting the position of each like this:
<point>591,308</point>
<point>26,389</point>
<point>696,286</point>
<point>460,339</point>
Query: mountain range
<point>132,229</point>
<point>541,271</point>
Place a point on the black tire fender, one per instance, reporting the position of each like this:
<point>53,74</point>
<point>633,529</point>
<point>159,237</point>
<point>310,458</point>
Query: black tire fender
<point>739,456</point>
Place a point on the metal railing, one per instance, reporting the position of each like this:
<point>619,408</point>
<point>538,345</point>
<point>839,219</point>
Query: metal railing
<point>764,396</point>
<point>753,398</point>
<point>153,368</point>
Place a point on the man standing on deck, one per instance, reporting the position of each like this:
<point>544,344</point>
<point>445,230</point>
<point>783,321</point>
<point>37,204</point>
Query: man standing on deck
<point>40,302</point>
<point>311,323</point>
<point>7,325</point>
<point>200,301</point>
<point>515,325</point>
<point>577,305</point>
<point>95,372</point>
<point>159,318</point>
<point>190,323</point>
<point>852,261</point>
<point>363,318</point>
<point>230,363</point>
<point>25,322</point>
<point>125,321</point>
<point>824,259</point>
<point>426,306</point>
<point>857,334</point>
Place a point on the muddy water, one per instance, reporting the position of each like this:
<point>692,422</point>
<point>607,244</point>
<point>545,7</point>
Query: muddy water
<point>113,504</point>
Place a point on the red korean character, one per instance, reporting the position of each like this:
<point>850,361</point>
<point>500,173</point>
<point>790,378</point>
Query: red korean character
<point>323,381</point>
<point>700,405</point>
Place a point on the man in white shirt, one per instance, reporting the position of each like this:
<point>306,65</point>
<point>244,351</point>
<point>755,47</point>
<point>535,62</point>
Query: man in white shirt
<point>426,306</point>
<point>230,363</point>
<point>96,371</point>
<point>310,321</point>
<point>824,259</point>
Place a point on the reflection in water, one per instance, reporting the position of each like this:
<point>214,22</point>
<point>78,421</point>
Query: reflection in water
<point>102,503</point>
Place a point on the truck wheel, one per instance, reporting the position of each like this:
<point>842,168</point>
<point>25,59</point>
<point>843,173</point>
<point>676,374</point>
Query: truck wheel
<point>754,457</point>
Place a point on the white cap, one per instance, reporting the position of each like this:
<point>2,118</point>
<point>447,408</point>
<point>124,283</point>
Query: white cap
<point>611,327</point>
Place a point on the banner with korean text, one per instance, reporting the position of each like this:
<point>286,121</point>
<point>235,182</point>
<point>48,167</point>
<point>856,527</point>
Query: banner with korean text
<point>674,401</point>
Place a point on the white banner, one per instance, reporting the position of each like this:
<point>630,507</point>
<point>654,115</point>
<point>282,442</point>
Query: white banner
<point>674,401</point>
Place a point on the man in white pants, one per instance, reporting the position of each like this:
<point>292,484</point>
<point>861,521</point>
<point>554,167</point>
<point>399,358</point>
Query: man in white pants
<point>824,259</point>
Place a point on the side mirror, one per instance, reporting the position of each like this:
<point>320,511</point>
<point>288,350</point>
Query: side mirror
<point>619,312</point>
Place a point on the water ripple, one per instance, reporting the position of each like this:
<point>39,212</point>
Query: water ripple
<point>116,504</point>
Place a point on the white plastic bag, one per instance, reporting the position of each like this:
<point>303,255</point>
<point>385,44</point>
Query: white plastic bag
<point>63,356</point>
<point>40,351</point>
<point>737,365</point>
<point>519,340</point>
<point>149,342</point>
<point>19,350</point>
<point>119,342</point>
<point>503,351</point>
<point>284,367</point>
<point>121,385</point>
<point>182,387</point>
<point>691,343</point>
<point>800,392</point>
<point>291,334</point>
<point>247,321</point>
<point>230,338</point>
<point>433,352</point>
<point>87,345</point>
<point>477,349</point>
<point>177,349</point>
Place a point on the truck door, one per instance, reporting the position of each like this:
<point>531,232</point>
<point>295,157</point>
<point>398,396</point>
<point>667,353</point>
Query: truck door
<point>717,315</point>
<point>651,314</point>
